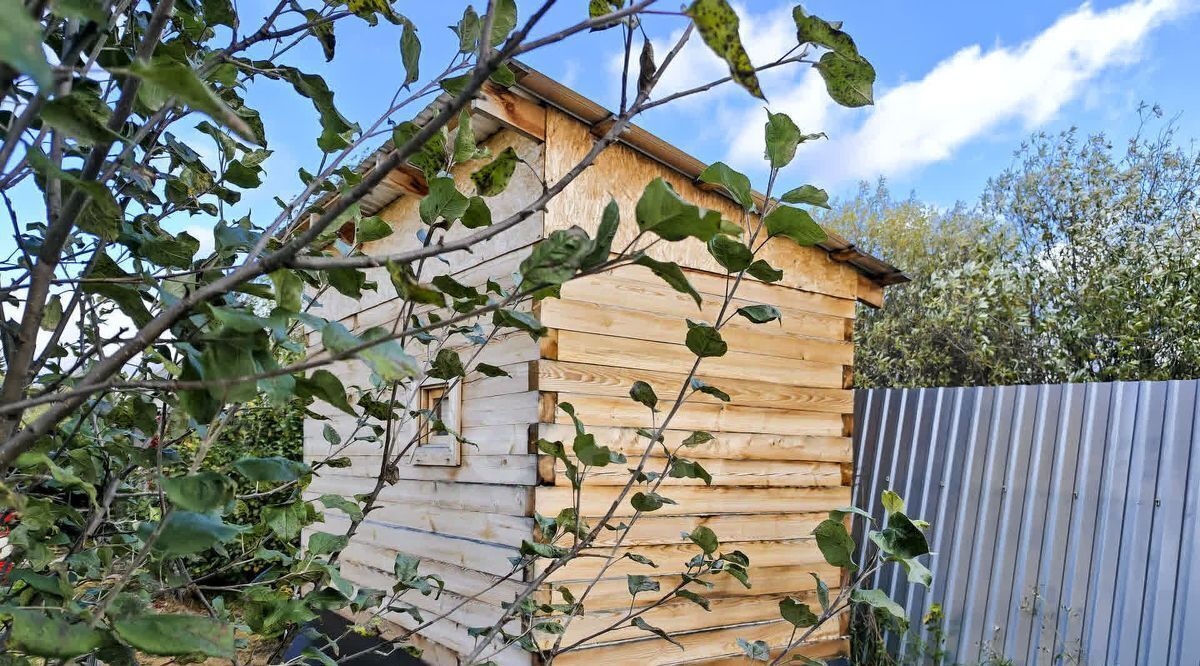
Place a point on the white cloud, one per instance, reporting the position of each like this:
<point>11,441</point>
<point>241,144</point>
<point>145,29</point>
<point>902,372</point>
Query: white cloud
<point>972,93</point>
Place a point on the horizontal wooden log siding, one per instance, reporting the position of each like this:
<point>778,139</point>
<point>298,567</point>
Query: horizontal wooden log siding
<point>464,521</point>
<point>779,462</point>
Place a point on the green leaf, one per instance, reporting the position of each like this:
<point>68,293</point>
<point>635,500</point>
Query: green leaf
<point>646,626</point>
<point>202,491</point>
<point>324,385</point>
<point>286,521</point>
<point>53,313</point>
<point>718,26</point>
<point>756,651</point>
<point>81,115</point>
<point>643,393</point>
<point>387,358</point>
<point>519,320</point>
<point>704,340</point>
<point>125,295</point>
<point>807,194</point>
<point>467,29</point>
<point>477,214</point>
<point>504,19</point>
<point>732,254</point>
<point>493,177</point>
<point>342,504</point>
<point>180,80</point>
<point>410,53</point>
<point>839,514</point>
<point>649,501</point>
<point>443,201</point>
<point>848,81</point>
<point>782,138</point>
<point>892,502</point>
<point>796,224</point>
<point>689,469</point>
<point>901,538</point>
<point>760,314</point>
<point>447,365</point>
<point>879,599</point>
<point>21,44</point>
<point>371,228</point>
<point>51,634</point>
<point>542,550</point>
<point>705,538</point>
<point>815,30</point>
<point>229,362</point>
<point>489,370</point>
<point>796,613</point>
<point>171,251</point>
<point>694,598</point>
<point>610,220</point>
<point>465,148</point>
<point>822,592</point>
<point>761,270</point>
<point>670,273</point>
<point>734,182</point>
<point>177,635</point>
<point>589,453</point>
<point>697,438</point>
<point>335,129</point>
<point>288,290</point>
<point>323,543</point>
<point>638,583</point>
<point>273,468</point>
<point>556,259</point>
<point>835,544</point>
<point>661,210</point>
<point>187,532</point>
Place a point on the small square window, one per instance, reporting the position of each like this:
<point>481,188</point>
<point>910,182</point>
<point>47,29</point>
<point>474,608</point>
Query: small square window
<point>437,442</point>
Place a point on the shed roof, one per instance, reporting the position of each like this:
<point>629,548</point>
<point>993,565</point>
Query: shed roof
<point>546,90</point>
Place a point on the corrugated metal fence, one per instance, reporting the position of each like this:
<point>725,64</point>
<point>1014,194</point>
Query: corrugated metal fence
<point>1063,517</point>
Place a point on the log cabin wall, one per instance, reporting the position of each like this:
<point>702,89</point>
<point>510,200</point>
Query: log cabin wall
<point>782,456</point>
<point>462,521</point>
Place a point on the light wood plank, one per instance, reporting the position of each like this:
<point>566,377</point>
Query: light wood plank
<point>739,473</point>
<point>598,379</point>
<point>645,355</point>
<point>613,593</point>
<point>513,500</point>
<point>696,645</point>
<point>672,558</point>
<point>728,446</point>
<point>712,417</point>
<point>653,529</point>
<point>699,500</point>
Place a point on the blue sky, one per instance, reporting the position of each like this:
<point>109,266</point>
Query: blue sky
<point>960,84</point>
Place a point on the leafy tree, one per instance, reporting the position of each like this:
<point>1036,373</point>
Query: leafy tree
<point>1078,264</point>
<point>128,353</point>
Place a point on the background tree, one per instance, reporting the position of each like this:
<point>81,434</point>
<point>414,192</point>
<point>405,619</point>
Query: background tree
<point>1077,264</point>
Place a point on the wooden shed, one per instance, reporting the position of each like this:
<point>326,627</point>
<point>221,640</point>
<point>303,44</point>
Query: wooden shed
<point>781,459</point>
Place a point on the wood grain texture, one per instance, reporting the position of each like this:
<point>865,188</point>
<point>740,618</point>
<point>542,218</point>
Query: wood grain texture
<point>700,500</point>
<point>664,357</point>
<point>621,173</point>
<point>740,334</point>
<point>744,473</point>
<point>712,417</point>
<point>672,558</point>
<point>613,593</point>
<point>727,445</point>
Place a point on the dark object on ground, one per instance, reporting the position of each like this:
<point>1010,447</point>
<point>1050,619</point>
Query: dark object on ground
<point>332,624</point>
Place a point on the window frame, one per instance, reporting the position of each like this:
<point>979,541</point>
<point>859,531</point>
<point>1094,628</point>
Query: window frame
<point>440,450</point>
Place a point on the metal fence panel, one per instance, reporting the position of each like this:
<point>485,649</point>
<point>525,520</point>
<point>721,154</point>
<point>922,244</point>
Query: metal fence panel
<point>1064,517</point>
